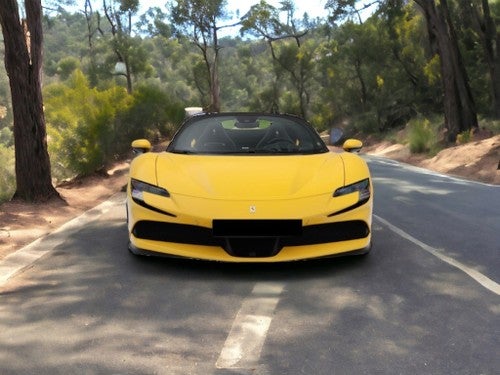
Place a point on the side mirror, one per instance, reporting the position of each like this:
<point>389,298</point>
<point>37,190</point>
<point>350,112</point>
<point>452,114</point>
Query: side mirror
<point>335,137</point>
<point>352,145</point>
<point>141,146</point>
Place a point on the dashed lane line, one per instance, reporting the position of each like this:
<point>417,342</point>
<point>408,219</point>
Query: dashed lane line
<point>249,330</point>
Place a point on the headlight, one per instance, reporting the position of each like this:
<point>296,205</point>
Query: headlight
<point>138,188</point>
<point>363,187</point>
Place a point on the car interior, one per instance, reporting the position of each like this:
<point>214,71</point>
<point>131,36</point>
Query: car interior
<point>247,135</point>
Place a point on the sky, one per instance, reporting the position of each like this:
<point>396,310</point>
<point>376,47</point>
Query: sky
<point>315,8</point>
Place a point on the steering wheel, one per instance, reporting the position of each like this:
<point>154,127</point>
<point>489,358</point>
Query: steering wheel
<point>279,144</point>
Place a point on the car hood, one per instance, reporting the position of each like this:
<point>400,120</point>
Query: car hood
<point>249,177</point>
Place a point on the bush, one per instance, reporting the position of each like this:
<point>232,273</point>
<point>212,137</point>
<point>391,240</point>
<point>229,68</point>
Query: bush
<point>152,114</point>
<point>81,125</point>
<point>465,137</point>
<point>490,125</point>
<point>6,137</point>
<point>366,123</point>
<point>422,136</point>
<point>89,128</point>
<point>7,173</point>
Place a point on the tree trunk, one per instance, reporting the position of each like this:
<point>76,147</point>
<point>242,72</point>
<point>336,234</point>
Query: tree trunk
<point>214,73</point>
<point>495,72</point>
<point>215,89</point>
<point>23,56</point>
<point>490,38</point>
<point>459,109</point>
<point>128,75</point>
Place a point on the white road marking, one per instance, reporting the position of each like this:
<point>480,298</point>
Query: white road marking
<point>483,280</point>
<point>248,332</point>
<point>383,160</point>
<point>22,258</point>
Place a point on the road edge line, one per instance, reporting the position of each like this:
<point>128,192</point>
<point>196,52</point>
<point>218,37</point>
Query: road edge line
<point>483,280</point>
<point>17,261</point>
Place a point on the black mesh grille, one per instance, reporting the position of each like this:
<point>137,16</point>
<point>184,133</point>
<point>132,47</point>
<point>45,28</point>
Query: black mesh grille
<point>331,232</point>
<point>247,238</point>
<point>170,232</point>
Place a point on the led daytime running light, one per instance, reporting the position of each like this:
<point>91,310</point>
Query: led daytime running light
<point>139,187</point>
<point>363,187</point>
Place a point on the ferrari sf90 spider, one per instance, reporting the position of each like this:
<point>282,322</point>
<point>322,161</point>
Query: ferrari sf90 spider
<point>248,187</point>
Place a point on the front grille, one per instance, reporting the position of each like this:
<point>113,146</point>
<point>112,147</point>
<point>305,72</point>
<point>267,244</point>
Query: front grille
<point>331,232</point>
<point>171,232</point>
<point>252,238</point>
<point>253,247</point>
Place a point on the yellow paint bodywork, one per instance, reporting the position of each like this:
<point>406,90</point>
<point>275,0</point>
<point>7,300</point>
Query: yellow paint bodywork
<point>207,187</point>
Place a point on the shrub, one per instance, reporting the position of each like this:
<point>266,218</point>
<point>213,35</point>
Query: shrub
<point>81,125</point>
<point>151,114</point>
<point>6,137</point>
<point>88,128</point>
<point>422,136</point>
<point>465,137</point>
<point>7,173</point>
<point>66,66</point>
<point>366,123</point>
<point>490,125</point>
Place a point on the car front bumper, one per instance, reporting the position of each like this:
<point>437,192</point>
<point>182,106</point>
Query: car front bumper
<point>255,240</point>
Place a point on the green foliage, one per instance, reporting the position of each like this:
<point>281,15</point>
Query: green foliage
<point>490,125</point>
<point>431,70</point>
<point>377,74</point>
<point>129,5</point>
<point>350,66</point>
<point>465,137</point>
<point>66,66</point>
<point>371,77</point>
<point>422,136</point>
<point>366,123</point>
<point>247,81</point>
<point>7,175</point>
<point>64,38</point>
<point>6,137</point>
<point>81,125</point>
<point>153,114</point>
<point>262,19</point>
<point>88,127</point>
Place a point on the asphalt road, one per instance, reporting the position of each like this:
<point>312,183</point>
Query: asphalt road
<point>425,301</point>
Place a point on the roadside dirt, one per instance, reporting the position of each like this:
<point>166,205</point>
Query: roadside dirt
<point>478,160</point>
<point>22,223</point>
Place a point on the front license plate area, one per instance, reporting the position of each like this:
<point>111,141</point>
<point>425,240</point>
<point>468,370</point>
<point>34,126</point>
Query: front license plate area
<point>256,228</point>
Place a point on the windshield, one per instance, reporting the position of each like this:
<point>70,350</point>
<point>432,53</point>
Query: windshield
<point>241,133</point>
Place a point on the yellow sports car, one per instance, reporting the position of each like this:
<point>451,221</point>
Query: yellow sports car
<point>248,187</point>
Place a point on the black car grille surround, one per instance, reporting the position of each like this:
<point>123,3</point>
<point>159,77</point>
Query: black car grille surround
<point>251,238</point>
